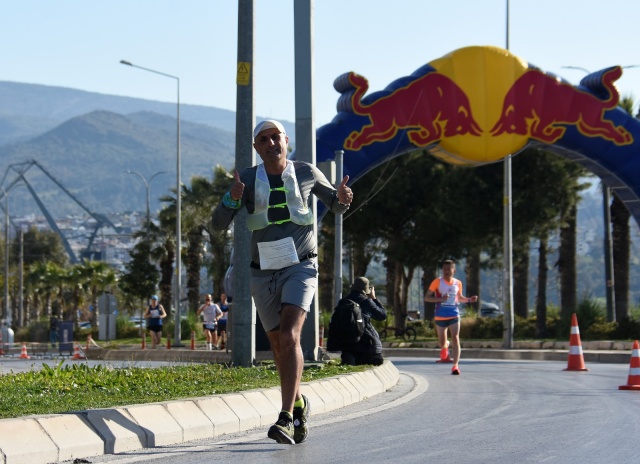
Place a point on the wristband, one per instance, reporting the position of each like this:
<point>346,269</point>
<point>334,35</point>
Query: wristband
<point>230,202</point>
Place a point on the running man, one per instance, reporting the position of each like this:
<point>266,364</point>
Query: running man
<point>284,272</point>
<point>446,293</point>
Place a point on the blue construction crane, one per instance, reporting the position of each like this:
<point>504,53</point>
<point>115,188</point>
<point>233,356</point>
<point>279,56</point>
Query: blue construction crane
<point>101,220</point>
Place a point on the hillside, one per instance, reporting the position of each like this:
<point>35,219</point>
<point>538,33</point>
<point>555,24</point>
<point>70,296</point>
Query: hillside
<point>28,110</point>
<point>89,153</point>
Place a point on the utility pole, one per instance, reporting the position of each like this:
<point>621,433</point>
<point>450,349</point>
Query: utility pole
<point>243,342</point>
<point>306,136</point>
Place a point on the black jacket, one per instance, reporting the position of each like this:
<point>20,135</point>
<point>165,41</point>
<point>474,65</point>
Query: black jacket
<point>370,340</point>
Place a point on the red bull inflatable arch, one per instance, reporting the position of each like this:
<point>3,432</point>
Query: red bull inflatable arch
<point>478,105</point>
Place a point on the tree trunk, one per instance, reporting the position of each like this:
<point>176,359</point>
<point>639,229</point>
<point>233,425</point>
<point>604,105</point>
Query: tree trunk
<point>399,311</point>
<point>472,272</point>
<point>166,273</point>
<point>404,296</point>
<point>567,264</point>
<point>521,279</point>
<point>360,258</point>
<point>194,263</point>
<point>390,288</point>
<point>429,275</point>
<point>541,297</point>
<point>621,248</point>
<point>326,268</point>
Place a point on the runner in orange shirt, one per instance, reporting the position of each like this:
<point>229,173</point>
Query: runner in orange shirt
<point>446,293</point>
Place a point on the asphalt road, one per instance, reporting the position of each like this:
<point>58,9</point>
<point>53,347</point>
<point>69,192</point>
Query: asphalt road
<point>495,412</point>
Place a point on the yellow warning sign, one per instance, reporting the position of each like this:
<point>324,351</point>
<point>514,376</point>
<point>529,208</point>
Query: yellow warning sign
<point>243,74</point>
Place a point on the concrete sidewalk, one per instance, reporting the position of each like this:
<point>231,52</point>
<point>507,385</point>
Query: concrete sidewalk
<point>61,437</point>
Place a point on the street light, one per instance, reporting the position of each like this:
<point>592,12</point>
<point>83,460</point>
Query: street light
<point>147,184</point>
<point>177,337</point>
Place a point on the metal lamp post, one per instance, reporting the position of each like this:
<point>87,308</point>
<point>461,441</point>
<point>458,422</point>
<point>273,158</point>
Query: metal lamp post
<point>147,184</point>
<point>6,258</point>
<point>178,205</point>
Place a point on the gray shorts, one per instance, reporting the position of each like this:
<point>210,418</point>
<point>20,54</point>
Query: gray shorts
<point>295,285</point>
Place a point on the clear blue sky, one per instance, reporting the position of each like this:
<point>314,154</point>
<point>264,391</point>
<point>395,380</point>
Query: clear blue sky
<point>79,43</point>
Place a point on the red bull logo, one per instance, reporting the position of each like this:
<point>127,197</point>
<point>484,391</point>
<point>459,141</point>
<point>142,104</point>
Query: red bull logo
<point>480,104</point>
<point>438,108</point>
<point>541,107</point>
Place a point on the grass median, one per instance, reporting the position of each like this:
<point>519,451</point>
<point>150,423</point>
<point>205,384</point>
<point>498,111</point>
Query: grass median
<point>63,388</point>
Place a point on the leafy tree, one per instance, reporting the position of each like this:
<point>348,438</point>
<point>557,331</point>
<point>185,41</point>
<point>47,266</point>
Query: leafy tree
<point>401,210</point>
<point>167,218</point>
<point>43,278</point>
<point>218,240</point>
<point>162,251</point>
<point>39,246</point>
<point>141,276</point>
<point>199,202</point>
<point>196,211</point>
<point>539,179</point>
<point>99,278</point>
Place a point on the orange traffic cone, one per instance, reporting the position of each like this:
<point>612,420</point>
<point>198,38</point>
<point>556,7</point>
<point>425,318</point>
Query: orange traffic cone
<point>23,352</point>
<point>576,359</point>
<point>633,382</point>
<point>445,356</point>
<point>77,354</point>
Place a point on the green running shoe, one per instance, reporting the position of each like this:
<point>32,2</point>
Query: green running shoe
<point>282,430</point>
<point>300,417</point>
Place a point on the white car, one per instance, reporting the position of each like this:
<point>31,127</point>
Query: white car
<point>490,310</point>
<point>136,322</point>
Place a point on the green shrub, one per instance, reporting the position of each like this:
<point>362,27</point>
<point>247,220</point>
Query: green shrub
<point>627,330</point>
<point>189,323</point>
<point>600,330</point>
<point>589,312</point>
<point>481,328</point>
<point>524,328</point>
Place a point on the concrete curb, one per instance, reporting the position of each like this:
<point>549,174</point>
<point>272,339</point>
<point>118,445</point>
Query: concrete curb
<point>61,437</point>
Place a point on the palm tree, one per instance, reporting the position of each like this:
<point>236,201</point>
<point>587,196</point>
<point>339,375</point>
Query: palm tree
<point>99,278</point>
<point>621,247</point>
<point>197,205</point>
<point>44,278</point>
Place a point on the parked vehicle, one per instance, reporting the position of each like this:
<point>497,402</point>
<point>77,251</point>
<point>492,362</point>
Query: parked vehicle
<point>137,322</point>
<point>490,310</point>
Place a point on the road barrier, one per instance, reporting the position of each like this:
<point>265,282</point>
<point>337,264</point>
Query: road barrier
<point>77,353</point>
<point>23,352</point>
<point>633,381</point>
<point>576,358</point>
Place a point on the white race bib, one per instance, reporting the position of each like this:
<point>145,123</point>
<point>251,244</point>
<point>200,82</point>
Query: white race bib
<point>277,255</point>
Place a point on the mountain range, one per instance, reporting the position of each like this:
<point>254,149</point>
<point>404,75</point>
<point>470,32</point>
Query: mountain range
<point>86,141</point>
